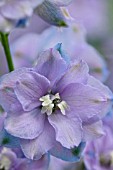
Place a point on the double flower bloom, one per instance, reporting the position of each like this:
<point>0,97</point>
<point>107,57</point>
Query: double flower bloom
<point>55,106</point>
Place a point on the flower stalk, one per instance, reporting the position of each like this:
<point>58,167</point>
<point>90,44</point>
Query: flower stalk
<point>5,44</point>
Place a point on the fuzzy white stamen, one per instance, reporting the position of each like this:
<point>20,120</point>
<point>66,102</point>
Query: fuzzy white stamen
<point>63,106</point>
<point>45,100</point>
<point>51,102</point>
<point>47,109</point>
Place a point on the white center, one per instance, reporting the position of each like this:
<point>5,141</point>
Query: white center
<point>51,102</point>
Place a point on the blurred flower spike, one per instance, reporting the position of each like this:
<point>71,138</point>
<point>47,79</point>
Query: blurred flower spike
<point>16,13</point>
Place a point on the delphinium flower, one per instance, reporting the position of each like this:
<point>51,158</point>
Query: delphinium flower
<point>99,153</point>
<point>9,160</point>
<point>55,106</point>
<point>74,41</point>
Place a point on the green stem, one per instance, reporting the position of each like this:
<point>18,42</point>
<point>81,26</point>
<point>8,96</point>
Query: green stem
<point>5,44</point>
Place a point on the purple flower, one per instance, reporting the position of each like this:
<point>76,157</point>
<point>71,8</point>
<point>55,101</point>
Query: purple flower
<point>98,154</point>
<point>13,160</point>
<point>54,106</point>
